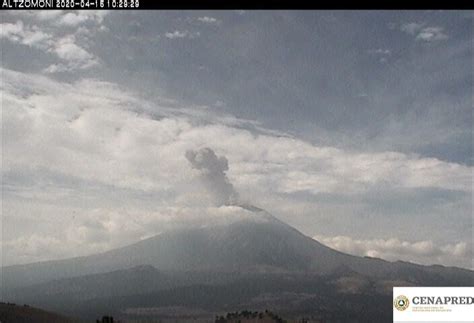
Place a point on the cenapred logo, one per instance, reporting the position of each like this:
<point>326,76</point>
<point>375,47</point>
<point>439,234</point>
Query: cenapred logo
<point>401,302</point>
<point>433,304</point>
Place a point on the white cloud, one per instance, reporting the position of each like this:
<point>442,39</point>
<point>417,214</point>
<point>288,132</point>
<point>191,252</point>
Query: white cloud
<point>101,229</point>
<point>102,119</point>
<point>432,34</point>
<point>209,20</point>
<point>11,30</point>
<point>380,51</point>
<point>33,248</point>
<point>74,56</point>
<point>45,14</point>
<point>25,35</point>
<point>98,134</point>
<point>74,18</point>
<point>80,17</point>
<point>411,28</point>
<point>422,33</point>
<point>426,252</point>
<point>49,36</point>
<point>182,34</point>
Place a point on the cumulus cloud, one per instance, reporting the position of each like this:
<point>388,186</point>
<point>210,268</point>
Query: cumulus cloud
<point>177,34</point>
<point>74,18</point>
<point>426,252</point>
<point>209,20</point>
<point>381,53</point>
<point>80,17</point>
<point>47,34</point>
<point>432,34</point>
<point>25,35</point>
<point>212,170</point>
<point>411,27</point>
<point>422,33</point>
<point>73,56</point>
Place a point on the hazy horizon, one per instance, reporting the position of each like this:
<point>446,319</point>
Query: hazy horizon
<point>353,127</point>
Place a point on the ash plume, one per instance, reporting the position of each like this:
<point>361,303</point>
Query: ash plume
<point>212,169</point>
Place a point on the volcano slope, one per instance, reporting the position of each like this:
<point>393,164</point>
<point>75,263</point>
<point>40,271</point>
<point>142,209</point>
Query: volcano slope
<point>252,262</point>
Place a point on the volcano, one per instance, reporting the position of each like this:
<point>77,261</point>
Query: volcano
<point>255,247</point>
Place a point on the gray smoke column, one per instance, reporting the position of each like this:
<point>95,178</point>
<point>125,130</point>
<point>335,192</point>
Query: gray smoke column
<point>213,174</point>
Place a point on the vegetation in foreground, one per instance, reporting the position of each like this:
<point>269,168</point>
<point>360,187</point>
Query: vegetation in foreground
<point>249,316</point>
<point>13,313</point>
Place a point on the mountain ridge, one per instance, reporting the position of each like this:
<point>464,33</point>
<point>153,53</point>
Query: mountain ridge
<point>256,243</point>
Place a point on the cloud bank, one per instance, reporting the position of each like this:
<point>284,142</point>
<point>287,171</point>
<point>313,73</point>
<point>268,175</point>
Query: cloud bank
<point>426,252</point>
<point>119,163</point>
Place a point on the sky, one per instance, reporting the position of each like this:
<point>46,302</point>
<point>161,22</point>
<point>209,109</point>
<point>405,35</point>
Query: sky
<point>353,127</point>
